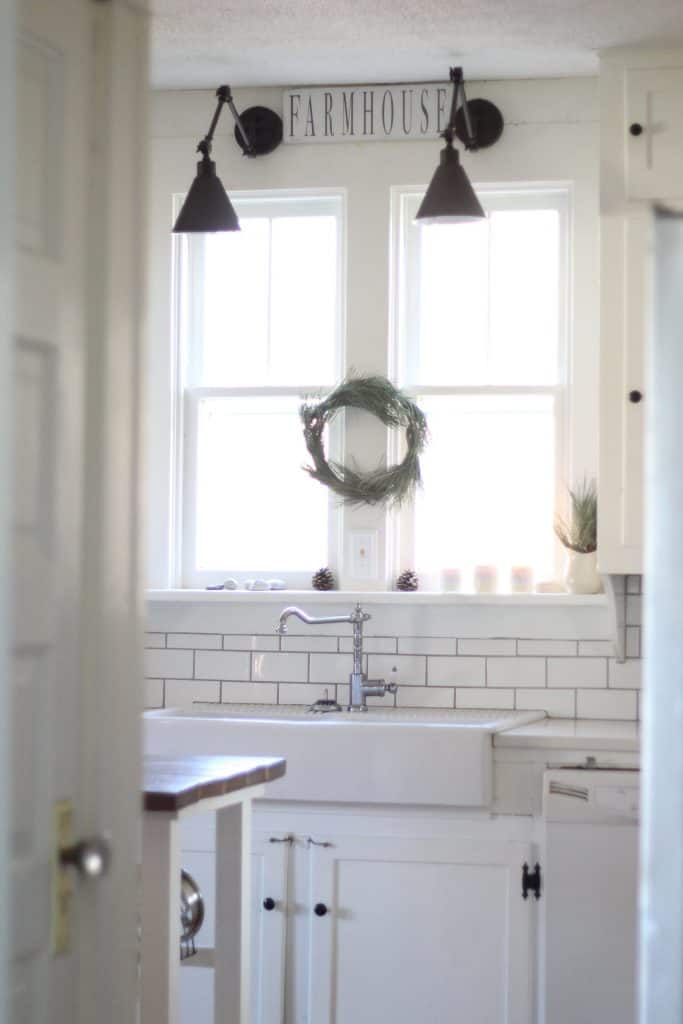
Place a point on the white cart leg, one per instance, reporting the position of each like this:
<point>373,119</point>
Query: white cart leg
<point>160,919</point>
<point>233,897</point>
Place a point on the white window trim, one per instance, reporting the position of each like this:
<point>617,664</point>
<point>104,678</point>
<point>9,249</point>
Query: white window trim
<point>188,394</point>
<point>401,525</point>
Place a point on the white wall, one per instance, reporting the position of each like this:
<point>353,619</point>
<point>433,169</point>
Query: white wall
<point>551,135</point>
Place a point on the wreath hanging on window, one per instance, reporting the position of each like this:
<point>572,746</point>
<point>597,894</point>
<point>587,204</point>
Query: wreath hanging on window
<point>377,395</point>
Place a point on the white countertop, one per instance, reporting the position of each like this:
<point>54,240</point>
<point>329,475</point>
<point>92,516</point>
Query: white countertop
<point>573,734</point>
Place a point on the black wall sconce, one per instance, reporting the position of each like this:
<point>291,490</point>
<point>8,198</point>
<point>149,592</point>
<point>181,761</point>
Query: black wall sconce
<point>207,207</point>
<point>450,198</point>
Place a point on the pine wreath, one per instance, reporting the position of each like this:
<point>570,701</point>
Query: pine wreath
<point>377,395</point>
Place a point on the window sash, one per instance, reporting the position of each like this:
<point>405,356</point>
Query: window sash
<point>403,344</point>
<point>188,329</point>
<point>192,576</point>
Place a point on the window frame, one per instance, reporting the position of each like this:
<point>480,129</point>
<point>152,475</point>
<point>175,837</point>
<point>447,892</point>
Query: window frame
<point>187,324</point>
<point>528,195</point>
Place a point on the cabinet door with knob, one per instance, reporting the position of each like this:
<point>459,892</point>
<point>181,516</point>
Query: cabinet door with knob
<point>271,866</point>
<point>411,929</point>
<point>654,143</point>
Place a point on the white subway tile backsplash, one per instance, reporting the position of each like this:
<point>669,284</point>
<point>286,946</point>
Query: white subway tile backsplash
<point>309,643</point>
<point>196,641</point>
<point>330,668</point>
<point>278,668</point>
<point>484,697</point>
<point>221,665</point>
<point>540,648</point>
<point>161,664</point>
<point>155,640</point>
<point>633,642</point>
<point>556,703</point>
<point>626,675</point>
<point>154,693</point>
<point>183,693</point>
<point>249,693</point>
<point>456,671</point>
<point>596,649</point>
<point>409,669</point>
<point>426,645</point>
<point>515,671</point>
<point>425,697</point>
<point>533,655</point>
<point>501,647</point>
<point>251,643</point>
<point>371,644</point>
<point>577,672</point>
<point>620,705</point>
<point>303,693</point>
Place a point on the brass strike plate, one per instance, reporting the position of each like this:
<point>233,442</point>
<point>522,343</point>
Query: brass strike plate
<point>62,884</point>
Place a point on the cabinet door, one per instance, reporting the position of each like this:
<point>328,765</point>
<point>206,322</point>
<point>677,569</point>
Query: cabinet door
<point>654,102</point>
<point>626,299</point>
<point>420,930</point>
<point>270,914</point>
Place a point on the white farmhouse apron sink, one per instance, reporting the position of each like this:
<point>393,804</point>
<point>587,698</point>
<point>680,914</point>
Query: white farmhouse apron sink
<point>384,756</point>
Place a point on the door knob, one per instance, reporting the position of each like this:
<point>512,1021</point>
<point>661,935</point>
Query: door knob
<point>320,909</point>
<point>636,129</point>
<point>90,857</point>
<point>269,903</point>
<point>635,396</point>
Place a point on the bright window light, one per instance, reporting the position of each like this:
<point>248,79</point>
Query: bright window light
<point>253,513</point>
<point>261,316</point>
<point>481,342</point>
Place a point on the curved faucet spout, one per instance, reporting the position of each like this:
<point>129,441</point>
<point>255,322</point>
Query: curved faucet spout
<point>311,620</point>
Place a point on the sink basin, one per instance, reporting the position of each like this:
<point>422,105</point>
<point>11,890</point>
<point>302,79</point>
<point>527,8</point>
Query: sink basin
<point>384,756</point>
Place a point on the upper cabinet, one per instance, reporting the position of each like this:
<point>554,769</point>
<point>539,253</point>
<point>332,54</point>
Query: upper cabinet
<point>654,150</point>
<point>641,164</point>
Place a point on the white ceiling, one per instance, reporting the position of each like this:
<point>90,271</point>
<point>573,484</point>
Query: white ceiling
<point>203,43</point>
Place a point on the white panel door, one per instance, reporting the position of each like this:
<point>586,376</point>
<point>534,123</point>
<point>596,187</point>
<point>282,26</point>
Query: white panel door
<point>428,930</point>
<point>80,90</point>
<point>654,103</point>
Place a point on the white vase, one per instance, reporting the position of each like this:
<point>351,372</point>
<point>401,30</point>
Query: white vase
<point>582,573</point>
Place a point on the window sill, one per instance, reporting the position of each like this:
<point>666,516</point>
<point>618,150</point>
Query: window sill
<point>371,597</point>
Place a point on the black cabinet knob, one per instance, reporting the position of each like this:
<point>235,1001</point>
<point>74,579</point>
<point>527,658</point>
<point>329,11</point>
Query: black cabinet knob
<point>635,396</point>
<point>269,903</point>
<point>320,909</point>
<point>636,129</point>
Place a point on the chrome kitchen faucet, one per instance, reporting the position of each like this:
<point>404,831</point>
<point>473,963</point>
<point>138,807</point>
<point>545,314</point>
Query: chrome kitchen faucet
<point>360,686</point>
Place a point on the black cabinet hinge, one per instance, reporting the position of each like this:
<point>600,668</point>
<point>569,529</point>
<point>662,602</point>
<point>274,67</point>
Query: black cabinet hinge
<point>531,881</point>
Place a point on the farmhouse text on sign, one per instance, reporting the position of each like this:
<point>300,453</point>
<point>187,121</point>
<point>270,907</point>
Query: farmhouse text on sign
<point>365,112</point>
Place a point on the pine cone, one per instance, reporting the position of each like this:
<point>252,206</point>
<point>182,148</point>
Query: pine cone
<point>323,580</point>
<point>407,580</point>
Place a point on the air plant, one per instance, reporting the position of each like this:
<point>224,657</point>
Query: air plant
<point>580,533</point>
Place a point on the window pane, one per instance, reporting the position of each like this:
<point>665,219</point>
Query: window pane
<point>489,482</point>
<point>303,310</point>
<point>256,509</point>
<point>234,320</point>
<point>268,310</point>
<point>482,300</point>
<point>524,296</point>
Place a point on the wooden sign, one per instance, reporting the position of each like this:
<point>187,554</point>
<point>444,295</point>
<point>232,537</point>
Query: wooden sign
<point>365,113</point>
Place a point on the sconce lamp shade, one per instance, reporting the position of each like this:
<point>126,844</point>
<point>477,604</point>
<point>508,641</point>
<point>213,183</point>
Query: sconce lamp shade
<point>206,206</point>
<point>450,198</point>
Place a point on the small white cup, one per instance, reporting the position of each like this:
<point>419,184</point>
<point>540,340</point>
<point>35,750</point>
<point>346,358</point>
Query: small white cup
<point>451,581</point>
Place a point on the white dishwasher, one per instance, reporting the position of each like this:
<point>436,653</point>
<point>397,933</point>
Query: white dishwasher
<point>590,895</point>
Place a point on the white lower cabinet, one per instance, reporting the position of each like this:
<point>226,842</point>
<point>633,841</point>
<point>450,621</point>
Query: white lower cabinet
<point>360,919</point>
<point>356,926</point>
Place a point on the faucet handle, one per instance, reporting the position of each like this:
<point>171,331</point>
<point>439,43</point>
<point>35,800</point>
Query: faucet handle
<point>391,687</point>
